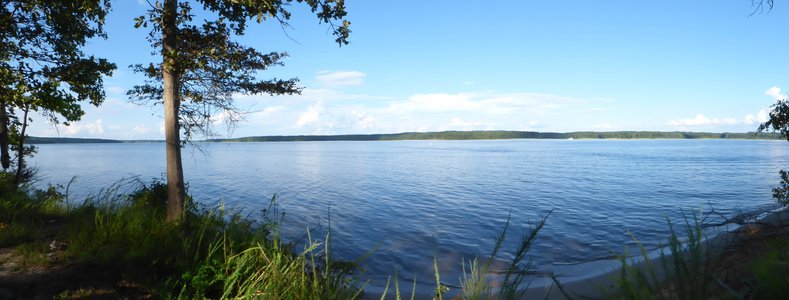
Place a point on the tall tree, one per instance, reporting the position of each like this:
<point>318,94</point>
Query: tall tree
<point>42,66</point>
<point>202,67</point>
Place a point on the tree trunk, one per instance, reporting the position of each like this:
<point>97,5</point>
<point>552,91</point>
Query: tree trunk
<point>20,164</point>
<point>175,173</point>
<point>5,157</point>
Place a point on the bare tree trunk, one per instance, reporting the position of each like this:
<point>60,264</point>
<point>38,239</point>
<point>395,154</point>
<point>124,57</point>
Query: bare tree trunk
<point>20,164</point>
<point>175,173</point>
<point>5,157</point>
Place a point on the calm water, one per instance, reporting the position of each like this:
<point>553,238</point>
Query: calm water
<point>417,198</point>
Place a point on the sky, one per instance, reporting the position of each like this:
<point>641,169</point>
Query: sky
<point>560,66</point>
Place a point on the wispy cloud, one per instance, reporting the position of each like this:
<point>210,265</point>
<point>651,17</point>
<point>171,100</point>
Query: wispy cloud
<point>116,90</point>
<point>490,103</point>
<point>775,93</point>
<point>457,123</point>
<point>701,120</point>
<point>141,129</point>
<point>340,78</point>
<point>760,117</point>
<point>311,115</point>
<point>94,128</point>
<point>604,126</point>
<point>363,120</point>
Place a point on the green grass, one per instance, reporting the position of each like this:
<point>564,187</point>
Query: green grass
<point>213,253</point>
<point>772,271</point>
<point>217,253</point>
<point>24,215</point>
<point>475,283</point>
<point>682,271</point>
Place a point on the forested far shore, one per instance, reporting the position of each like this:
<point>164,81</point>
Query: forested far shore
<point>65,140</point>
<point>501,134</point>
<point>451,135</point>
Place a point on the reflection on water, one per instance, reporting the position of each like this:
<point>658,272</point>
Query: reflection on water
<point>418,199</point>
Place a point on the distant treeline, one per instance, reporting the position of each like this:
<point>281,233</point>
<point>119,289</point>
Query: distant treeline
<point>62,140</point>
<point>451,135</point>
<point>500,134</point>
<point>673,135</point>
<point>65,140</point>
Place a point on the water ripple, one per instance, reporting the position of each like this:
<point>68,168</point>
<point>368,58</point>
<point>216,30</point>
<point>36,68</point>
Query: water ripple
<point>419,199</point>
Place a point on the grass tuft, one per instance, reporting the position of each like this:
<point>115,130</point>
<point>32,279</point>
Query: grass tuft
<point>684,272</point>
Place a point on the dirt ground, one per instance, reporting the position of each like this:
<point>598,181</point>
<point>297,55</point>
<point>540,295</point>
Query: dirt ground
<point>733,271</point>
<point>46,274</point>
<point>60,279</point>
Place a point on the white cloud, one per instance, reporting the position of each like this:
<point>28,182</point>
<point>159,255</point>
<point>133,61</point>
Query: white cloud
<point>340,78</point>
<point>490,103</point>
<point>94,128</point>
<point>363,120</point>
<point>228,117</point>
<point>141,129</point>
<point>436,103</point>
<point>604,126</point>
<point>701,120</point>
<point>775,93</point>
<point>749,119</point>
<point>116,90</point>
<point>469,125</point>
<point>265,113</point>
<point>311,115</point>
<point>760,117</point>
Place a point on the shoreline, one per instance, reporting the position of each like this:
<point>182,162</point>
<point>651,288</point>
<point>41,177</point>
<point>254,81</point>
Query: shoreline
<point>589,285</point>
<point>594,278</point>
<point>454,135</point>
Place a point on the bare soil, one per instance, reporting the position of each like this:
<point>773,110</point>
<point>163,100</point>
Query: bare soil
<point>47,274</point>
<point>733,271</point>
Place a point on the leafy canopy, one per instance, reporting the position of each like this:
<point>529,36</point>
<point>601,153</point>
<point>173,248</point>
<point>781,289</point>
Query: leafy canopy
<point>210,67</point>
<point>779,121</point>
<point>42,66</point>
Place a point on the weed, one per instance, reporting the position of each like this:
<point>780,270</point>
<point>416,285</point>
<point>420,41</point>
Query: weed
<point>772,271</point>
<point>475,283</point>
<point>684,272</point>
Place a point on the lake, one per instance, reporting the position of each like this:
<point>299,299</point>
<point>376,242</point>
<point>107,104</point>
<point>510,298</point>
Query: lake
<point>420,199</point>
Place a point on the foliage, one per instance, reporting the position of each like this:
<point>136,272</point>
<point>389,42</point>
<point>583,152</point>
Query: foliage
<point>42,64</point>
<point>781,193</point>
<point>772,272</point>
<point>684,272</point>
<point>42,67</point>
<point>214,254</point>
<point>202,67</point>
<point>211,67</point>
<point>24,212</point>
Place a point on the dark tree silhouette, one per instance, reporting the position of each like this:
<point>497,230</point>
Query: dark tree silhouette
<point>42,67</point>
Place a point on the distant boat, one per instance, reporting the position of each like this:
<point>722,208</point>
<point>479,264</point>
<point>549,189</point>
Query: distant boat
<point>570,138</point>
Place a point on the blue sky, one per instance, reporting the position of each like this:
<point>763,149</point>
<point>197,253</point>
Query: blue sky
<point>690,65</point>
